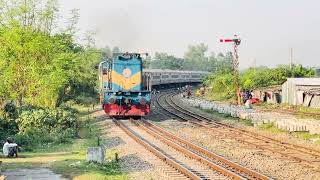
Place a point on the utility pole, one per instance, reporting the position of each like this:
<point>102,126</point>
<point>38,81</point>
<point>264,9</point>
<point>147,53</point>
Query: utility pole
<point>235,64</point>
<point>291,62</point>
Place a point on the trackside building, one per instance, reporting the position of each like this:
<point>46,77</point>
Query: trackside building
<point>302,91</point>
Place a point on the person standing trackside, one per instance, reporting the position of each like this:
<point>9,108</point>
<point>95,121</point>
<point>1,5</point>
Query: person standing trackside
<point>10,149</point>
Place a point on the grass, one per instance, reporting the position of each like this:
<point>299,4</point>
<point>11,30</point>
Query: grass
<point>216,113</point>
<point>69,159</point>
<point>271,128</point>
<point>307,136</point>
<point>80,169</point>
<point>246,122</point>
<point>215,96</point>
<point>300,110</point>
<point>300,135</point>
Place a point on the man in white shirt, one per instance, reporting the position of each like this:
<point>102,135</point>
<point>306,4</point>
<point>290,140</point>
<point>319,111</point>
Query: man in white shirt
<point>10,149</point>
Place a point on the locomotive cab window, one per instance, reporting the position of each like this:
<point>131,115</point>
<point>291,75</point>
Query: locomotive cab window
<point>104,70</point>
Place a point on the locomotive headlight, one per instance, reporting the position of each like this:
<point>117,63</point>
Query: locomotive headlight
<point>139,94</point>
<point>143,101</point>
<point>112,100</point>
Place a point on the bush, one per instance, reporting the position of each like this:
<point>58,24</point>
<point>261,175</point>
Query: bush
<point>36,127</point>
<point>222,85</point>
<point>7,128</point>
<point>63,136</point>
<point>33,137</point>
<point>86,99</point>
<point>47,119</point>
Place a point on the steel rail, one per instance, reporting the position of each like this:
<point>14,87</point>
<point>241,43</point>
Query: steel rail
<point>252,134</point>
<point>155,151</point>
<point>241,132</point>
<point>231,129</point>
<point>227,164</point>
<point>190,154</point>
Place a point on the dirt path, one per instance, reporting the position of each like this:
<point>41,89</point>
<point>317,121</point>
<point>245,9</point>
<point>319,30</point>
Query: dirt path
<point>34,174</point>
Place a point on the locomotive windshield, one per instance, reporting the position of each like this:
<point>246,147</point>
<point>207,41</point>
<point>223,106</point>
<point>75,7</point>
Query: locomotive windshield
<point>127,56</point>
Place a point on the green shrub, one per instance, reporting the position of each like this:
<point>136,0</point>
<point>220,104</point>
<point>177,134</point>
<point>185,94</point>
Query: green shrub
<point>222,85</point>
<point>63,136</point>
<point>86,99</point>
<point>36,127</point>
<point>7,128</point>
<point>33,137</point>
<point>47,119</point>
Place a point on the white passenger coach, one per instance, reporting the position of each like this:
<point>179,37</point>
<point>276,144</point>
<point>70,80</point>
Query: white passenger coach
<point>153,77</point>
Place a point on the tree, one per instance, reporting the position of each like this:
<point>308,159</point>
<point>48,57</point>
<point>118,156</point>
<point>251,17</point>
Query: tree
<point>39,67</point>
<point>165,61</point>
<point>300,71</point>
<point>116,49</point>
<point>32,61</point>
<point>106,53</point>
<point>195,57</point>
<point>146,62</point>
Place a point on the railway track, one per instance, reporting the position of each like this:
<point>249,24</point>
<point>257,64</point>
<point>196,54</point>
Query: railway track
<point>296,153</point>
<point>191,160</point>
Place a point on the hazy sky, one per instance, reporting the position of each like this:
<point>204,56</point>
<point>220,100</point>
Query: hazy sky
<point>268,28</point>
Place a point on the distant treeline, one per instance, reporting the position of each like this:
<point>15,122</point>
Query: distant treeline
<point>195,58</point>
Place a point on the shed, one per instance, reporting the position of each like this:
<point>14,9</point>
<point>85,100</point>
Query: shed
<point>301,91</point>
<point>268,94</point>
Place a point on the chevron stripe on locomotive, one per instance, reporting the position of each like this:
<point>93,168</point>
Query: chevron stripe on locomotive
<point>122,92</point>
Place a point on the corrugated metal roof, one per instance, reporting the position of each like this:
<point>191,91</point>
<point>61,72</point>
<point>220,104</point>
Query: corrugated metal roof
<point>304,81</point>
<point>314,91</point>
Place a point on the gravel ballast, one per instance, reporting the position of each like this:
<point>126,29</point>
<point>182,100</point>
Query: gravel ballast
<point>134,159</point>
<point>261,161</point>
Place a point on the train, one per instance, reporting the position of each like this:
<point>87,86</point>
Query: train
<point>121,89</point>
<point>125,88</point>
<point>158,77</point>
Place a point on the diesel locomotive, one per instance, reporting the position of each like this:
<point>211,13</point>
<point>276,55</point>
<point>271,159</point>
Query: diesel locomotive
<point>125,88</point>
<point>122,92</point>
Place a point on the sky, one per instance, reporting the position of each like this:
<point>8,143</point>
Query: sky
<point>268,29</point>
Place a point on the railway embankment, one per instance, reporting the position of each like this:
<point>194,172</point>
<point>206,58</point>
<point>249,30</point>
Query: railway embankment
<point>282,121</point>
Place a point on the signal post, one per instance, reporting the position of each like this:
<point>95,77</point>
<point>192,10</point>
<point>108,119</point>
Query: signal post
<point>235,64</point>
